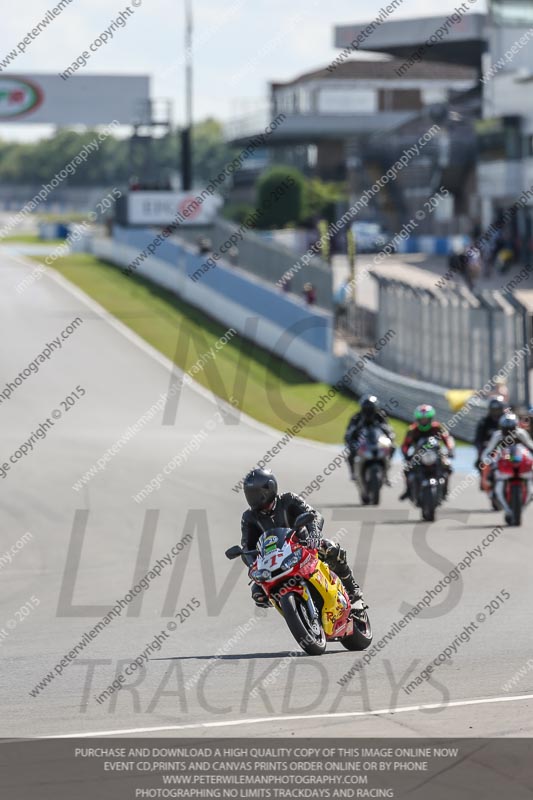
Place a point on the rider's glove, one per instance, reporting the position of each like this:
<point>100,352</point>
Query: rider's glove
<point>302,534</point>
<point>333,550</point>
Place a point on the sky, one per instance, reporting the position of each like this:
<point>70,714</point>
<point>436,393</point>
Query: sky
<point>240,45</point>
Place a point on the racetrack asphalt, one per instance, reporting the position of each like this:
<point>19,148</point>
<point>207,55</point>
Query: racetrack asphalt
<point>88,547</point>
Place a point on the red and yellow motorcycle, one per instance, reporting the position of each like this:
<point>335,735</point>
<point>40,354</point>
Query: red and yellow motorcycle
<point>305,591</point>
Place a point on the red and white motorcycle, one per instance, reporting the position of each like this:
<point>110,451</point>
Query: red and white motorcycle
<point>513,481</point>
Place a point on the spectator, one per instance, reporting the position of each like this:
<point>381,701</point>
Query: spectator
<point>473,267</point>
<point>205,245</point>
<point>309,293</point>
<point>233,255</point>
<point>340,301</point>
<point>505,256</point>
<point>286,286</point>
<point>456,260</point>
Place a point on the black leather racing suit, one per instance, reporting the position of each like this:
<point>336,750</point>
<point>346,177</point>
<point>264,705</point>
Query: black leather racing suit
<point>287,508</point>
<point>355,428</point>
<point>484,431</point>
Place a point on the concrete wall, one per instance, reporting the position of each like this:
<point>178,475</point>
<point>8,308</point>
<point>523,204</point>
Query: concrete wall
<point>400,396</point>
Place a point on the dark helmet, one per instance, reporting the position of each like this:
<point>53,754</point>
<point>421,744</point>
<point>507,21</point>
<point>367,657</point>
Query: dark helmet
<point>369,407</point>
<point>496,407</point>
<point>260,488</point>
<point>424,417</point>
<point>508,423</point>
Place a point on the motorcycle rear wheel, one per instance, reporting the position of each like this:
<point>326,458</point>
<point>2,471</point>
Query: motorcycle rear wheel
<point>361,638</point>
<point>296,615</point>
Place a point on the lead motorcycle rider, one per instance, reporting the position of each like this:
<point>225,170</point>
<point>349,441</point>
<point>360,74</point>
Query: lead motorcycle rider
<point>370,414</point>
<point>268,510</point>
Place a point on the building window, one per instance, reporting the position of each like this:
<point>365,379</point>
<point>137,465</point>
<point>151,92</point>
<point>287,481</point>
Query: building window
<point>434,95</point>
<point>285,102</point>
<point>499,139</point>
<point>347,101</point>
<point>511,12</point>
<point>400,100</point>
<point>304,101</point>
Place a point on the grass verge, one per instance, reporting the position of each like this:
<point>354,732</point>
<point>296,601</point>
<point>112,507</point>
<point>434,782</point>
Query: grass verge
<point>266,387</point>
<point>30,238</point>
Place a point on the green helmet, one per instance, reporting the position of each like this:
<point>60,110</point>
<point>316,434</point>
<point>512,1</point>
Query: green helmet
<point>424,416</point>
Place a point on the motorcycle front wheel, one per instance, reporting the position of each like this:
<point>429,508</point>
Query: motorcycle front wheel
<point>309,635</point>
<point>516,505</point>
<point>374,479</point>
<point>428,503</point>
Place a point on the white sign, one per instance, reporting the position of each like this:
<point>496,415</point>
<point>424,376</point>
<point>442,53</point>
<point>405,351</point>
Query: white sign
<point>82,100</point>
<point>165,208</point>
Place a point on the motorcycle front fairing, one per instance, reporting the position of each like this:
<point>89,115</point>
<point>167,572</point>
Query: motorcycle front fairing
<point>284,565</point>
<point>374,448</point>
<point>276,556</point>
<point>514,465</point>
<point>280,565</point>
<point>374,445</point>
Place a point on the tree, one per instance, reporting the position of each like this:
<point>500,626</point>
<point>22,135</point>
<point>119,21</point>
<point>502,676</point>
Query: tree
<point>111,165</point>
<point>210,151</point>
<point>321,199</point>
<point>280,202</point>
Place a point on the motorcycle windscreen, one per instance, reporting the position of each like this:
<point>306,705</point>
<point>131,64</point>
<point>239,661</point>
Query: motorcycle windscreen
<point>273,548</point>
<point>272,540</point>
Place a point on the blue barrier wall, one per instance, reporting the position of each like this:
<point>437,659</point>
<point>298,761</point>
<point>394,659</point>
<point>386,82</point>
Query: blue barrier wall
<point>433,245</point>
<point>286,325</point>
<point>260,298</point>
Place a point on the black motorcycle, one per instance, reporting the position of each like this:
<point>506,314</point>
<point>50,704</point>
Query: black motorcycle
<point>374,452</point>
<point>428,477</point>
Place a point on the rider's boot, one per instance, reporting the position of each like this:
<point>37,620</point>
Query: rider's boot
<point>406,495</point>
<point>335,557</point>
<point>259,597</point>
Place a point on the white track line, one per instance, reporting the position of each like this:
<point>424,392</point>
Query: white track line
<point>292,718</point>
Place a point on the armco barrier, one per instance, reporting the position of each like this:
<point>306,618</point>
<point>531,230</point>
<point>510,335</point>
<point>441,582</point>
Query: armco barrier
<point>280,323</point>
<point>401,395</point>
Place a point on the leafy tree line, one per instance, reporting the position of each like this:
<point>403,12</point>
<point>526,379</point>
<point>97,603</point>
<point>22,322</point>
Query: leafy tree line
<point>118,160</point>
<point>37,162</point>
